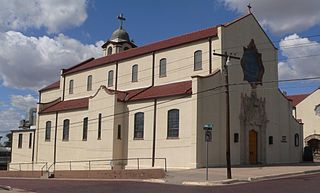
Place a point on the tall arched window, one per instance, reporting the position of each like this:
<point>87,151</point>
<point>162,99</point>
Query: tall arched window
<point>109,51</point>
<point>89,83</point>
<point>138,125</point>
<point>71,87</point>
<point>197,60</point>
<point>163,67</point>
<point>135,73</point>
<point>110,78</point>
<point>65,132</point>
<point>48,131</point>
<point>173,123</point>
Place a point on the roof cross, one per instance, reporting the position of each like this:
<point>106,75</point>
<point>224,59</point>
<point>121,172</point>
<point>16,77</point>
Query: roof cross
<point>249,8</point>
<point>121,19</point>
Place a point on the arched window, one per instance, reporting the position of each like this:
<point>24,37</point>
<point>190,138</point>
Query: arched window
<point>89,83</point>
<point>296,140</point>
<point>163,67</point>
<point>109,51</point>
<point>173,123</point>
<point>138,125</point>
<point>197,60</point>
<point>65,132</point>
<point>48,131</point>
<point>71,87</point>
<point>135,73</point>
<point>110,78</point>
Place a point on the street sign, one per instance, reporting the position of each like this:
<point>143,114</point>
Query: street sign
<point>208,136</point>
<point>208,126</point>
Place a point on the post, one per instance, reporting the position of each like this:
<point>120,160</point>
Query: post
<point>227,118</point>
<point>207,160</point>
<point>70,165</point>
<point>89,165</point>
<point>226,76</point>
<point>138,163</point>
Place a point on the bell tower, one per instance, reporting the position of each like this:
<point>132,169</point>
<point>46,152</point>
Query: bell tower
<point>119,40</point>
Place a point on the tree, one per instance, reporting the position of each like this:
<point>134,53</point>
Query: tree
<point>8,143</point>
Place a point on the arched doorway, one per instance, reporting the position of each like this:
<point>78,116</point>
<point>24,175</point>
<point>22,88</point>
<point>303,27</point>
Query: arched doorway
<point>313,141</point>
<point>253,146</point>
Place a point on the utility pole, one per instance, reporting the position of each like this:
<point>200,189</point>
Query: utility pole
<point>225,74</point>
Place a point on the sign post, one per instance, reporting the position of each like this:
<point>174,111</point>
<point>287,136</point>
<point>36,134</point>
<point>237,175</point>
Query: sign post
<point>208,138</point>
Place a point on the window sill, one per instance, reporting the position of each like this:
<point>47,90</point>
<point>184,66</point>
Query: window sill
<point>197,69</point>
<point>47,140</point>
<point>65,140</point>
<point>137,138</point>
<point>162,76</point>
<point>98,138</point>
<point>84,139</point>
<point>174,138</point>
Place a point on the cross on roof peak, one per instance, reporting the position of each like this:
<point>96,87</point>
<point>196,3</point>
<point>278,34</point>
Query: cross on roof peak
<point>249,8</point>
<point>121,18</point>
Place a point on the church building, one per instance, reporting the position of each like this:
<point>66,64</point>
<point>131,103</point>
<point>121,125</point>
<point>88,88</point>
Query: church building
<point>150,102</point>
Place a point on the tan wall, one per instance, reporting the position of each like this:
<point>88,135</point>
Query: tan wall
<point>305,111</point>
<point>99,77</point>
<point>23,154</point>
<point>50,95</point>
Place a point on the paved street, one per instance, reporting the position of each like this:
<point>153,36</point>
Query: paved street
<point>299,184</point>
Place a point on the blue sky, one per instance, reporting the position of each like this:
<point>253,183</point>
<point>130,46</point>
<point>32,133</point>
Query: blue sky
<point>39,37</point>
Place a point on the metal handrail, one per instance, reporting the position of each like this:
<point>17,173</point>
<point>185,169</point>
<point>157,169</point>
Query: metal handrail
<point>110,161</point>
<point>25,163</point>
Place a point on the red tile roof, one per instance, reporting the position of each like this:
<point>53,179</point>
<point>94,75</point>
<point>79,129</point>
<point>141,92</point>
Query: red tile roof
<point>67,105</point>
<point>173,89</point>
<point>296,99</point>
<point>54,85</point>
<point>164,44</point>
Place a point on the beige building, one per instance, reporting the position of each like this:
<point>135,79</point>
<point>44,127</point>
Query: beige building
<point>153,101</point>
<point>307,110</point>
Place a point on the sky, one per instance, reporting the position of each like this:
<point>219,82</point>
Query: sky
<point>40,37</point>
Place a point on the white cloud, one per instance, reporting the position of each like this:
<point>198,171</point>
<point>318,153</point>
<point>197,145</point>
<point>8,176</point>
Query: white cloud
<point>33,62</point>
<point>9,119</point>
<point>302,57</point>
<point>285,16</point>
<point>23,102</point>
<point>54,15</point>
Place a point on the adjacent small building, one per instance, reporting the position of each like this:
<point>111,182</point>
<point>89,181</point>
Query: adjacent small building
<point>306,108</point>
<point>152,101</point>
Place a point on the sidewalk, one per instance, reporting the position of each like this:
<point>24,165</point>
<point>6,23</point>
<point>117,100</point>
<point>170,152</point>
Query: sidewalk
<point>217,176</point>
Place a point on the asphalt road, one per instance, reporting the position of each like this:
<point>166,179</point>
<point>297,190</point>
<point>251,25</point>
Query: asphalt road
<point>298,184</point>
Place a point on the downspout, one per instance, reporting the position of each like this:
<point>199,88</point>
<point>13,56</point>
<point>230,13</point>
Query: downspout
<point>210,55</point>
<point>154,132</point>
<point>64,84</point>
<point>34,137</point>
<point>153,68</point>
<point>38,127</point>
<point>116,82</point>
<point>55,143</point>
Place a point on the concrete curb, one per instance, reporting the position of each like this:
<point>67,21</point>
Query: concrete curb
<point>215,183</point>
<point>4,187</point>
<point>283,175</point>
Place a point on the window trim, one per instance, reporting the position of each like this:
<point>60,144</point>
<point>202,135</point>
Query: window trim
<point>110,78</point>
<point>71,84</point>
<point>85,129</point>
<point>89,83</point>
<point>66,130</point>
<point>137,128</point>
<point>30,140</point>
<point>109,51</point>
<point>197,66</point>
<point>134,73</point>
<point>20,140</point>
<point>169,136</point>
<point>47,135</point>
<point>163,74</point>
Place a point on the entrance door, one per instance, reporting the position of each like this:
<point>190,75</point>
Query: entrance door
<point>253,147</point>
